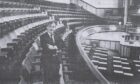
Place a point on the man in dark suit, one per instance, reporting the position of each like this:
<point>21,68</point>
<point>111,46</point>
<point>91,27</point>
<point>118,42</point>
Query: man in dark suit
<point>50,61</point>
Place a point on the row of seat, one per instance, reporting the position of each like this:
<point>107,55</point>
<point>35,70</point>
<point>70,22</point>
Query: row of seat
<point>16,50</point>
<point>98,56</point>
<point>50,5</point>
<point>100,59</point>
<point>51,8</point>
<point>79,23</point>
<point>72,16</point>
<point>14,4</point>
<point>17,11</point>
<point>137,65</point>
<point>54,4</point>
<point>121,66</point>
<point>68,12</point>
<point>19,44</point>
<point>9,26</point>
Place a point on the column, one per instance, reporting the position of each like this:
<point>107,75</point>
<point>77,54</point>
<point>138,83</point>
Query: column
<point>125,11</point>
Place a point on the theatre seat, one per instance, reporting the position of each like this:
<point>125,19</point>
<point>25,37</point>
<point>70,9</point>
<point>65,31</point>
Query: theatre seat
<point>3,58</point>
<point>8,52</point>
<point>136,66</point>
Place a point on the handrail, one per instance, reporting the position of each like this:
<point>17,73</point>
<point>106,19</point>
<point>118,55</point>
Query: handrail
<point>89,4</point>
<point>10,18</point>
<point>88,7</point>
<point>94,70</point>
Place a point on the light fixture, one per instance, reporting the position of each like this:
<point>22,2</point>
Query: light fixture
<point>113,27</point>
<point>138,11</point>
<point>138,30</point>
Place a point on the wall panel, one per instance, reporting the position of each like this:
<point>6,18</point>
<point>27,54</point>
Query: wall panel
<point>114,45</point>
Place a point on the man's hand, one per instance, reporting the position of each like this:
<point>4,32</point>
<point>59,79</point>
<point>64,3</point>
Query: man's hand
<point>52,47</point>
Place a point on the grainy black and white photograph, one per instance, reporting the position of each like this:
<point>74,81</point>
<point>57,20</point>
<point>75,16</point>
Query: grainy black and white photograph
<point>69,41</point>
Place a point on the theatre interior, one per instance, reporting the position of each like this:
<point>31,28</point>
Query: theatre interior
<point>69,41</point>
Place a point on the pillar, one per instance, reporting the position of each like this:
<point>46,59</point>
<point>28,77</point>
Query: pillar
<point>125,11</point>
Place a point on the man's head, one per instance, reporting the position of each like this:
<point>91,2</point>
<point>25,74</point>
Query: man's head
<point>50,28</point>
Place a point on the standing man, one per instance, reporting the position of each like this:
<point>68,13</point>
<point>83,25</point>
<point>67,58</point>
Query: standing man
<point>49,59</point>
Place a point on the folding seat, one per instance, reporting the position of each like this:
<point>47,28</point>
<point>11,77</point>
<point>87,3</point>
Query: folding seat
<point>117,64</point>
<point>3,28</point>
<point>103,60</point>
<point>126,69</point>
<point>117,70</point>
<point>101,55</point>
<point>123,59</point>
<point>116,58</point>
<point>27,34</point>
<point>101,51</point>
<point>87,48</point>
<point>127,72</point>
<point>15,45</point>
<point>9,27</point>
<point>137,67</point>
<point>18,23</point>
<point>95,62</point>
<point>102,64</point>
<point>9,52</point>
<point>12,46</point>
<point>96,58</point>
<point>101,48</point>
<point>102,69</point>
<point>18,43</point>
<point>22,39</point>
<point>3,57</point>
<point>136,61</point>
<point>117,61</point>
<point>87,52</point>
<point>125,62</point>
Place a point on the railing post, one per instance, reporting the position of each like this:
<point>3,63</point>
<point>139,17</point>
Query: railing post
<point>125,11</point>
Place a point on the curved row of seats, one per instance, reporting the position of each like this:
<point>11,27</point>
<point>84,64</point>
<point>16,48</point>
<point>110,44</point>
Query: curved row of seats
<point>120,65</point>
<point>17,11</point>
<point>5,30</point>
<point>16,50</point>
<point>52,8</point>
<point>16,22</point>
<point>136,66</point>
<point>67,12</point>
<point>54,4</point>
<point>112,66</point>
<point>10,4</point>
